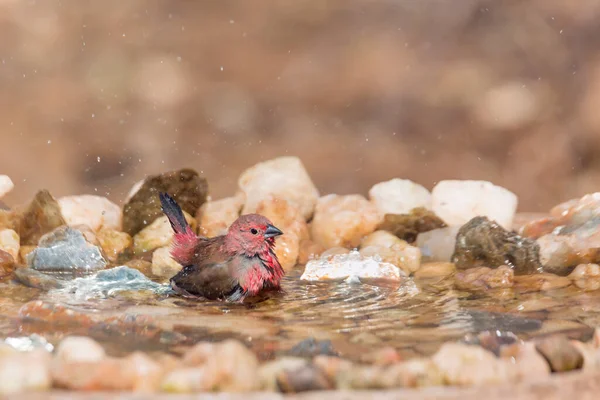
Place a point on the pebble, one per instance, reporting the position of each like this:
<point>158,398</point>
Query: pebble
<point>590,354</point>
<point>541,282</point>
<point>7,263</point>
<point>269,371</point>
<point>25,372</point>
<point>65,250</point>
<point>392,250</point>
<point>414,373</point>
<point>482,278</point>
<point>399,196</point>
<point>215,217</point>
<point>524,362</point>
<point>586,276</point>
<point>456,202</point>
<point>350,266</point>
<point>303,379</point>
<point>284,178</point>
<point>163,265</point>
<point>308,251</point>
<point>158,234</point>
<point>96,212</point>
<point>115,245</point>
<point>438,244</point>
<point>80,349</point>
<point>560,353</point>
<point>6,185</point>
<point>10,243</point>
<point>435,269</point>
<point>41,216</point>
<point>482,242</point>
<point>409,226</point>
<point>343,220</point>
<point>35,279</point>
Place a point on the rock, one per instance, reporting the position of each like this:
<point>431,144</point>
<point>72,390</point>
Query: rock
<point>287,217</point>
<point>492,341</point>
<point>586,276</point>
<point>560,353</point>
<point>435,269</point>
<point>399,196</point>
<point>269,371</point>
<point>35,279</point>
<point>483,278</point>
<point>24,251</point>
<point>28,343</point>
<point>311,347</point>
<point>7,264</point>
<point>25,372</point>
<point>10,243</point>
<point>352,265</point>
<point>524,362</point>
<point>383,356</point>
<point>186,380</point>
<point>303,379</point>
<point>163,264</point>
<point>409,226</point>
<point>343,220</point>
<point>284,178</point>
<point>332,366</point>
<point>115,245</point>
<point>145,267</point>
<point>215,217</point>
<point>158,234</point>
<point>360,377</point>
<point>95,212</point>
<point>65,250</point>
<point>392,250</point>
<point>457,202</point>
<point>185,186</point>
<point>590,354</point>
<point>309,250</point>
<point>40,217</point>
<point>57,316</point>
<point>438,244</point>
<point>482,242</point>
<point>330,254</point>
<point>418,372</point>
<point>6,185</point>
<point>557,254</point>
<point>465,365</point>
<point>540,282</point>
<point>79,349</point>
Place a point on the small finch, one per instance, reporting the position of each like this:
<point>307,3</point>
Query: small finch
<point>231,267</point>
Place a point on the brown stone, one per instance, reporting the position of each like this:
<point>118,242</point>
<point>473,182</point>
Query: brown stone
<point>560,353</point>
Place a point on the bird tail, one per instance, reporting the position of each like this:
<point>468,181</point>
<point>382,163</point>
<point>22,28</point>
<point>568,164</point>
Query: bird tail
<point>184,240</point>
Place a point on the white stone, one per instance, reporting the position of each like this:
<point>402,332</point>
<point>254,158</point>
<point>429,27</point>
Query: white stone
<point>158,234</point>
<point>283,177</point>
<point>457,202</point>
<point>393,250</point>
<point>350,266</point>
<point>10,243</point>
<point>399,196</point>
<point>25,372</point>
<point>79,349</point>
<point>94,211</point>
<point>163,264</point>
<point>134,189</point>
<point>6,185</point>
<point>215,217</point>
<point>438,244</point>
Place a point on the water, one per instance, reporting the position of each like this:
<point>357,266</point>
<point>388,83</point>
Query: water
<point>415,317</point>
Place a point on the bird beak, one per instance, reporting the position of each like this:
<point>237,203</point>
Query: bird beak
<point>272,232</point>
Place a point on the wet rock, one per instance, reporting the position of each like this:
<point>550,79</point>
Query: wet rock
<point>10,243</point>
<point>7,264</point>
<point>343,220</point>
<point>383,356</point>
<point>435,269</point>
<point>287,217</point>
<point>586,277</point>
<point>524,362</point>
<point>24,251</point>
<point>590,354</point>
<point>391,250</point>
<point>115,245</point>
<point>492,341</point>
<point>215,217</point>
<point>399,196</point>
<point>332,366</point>
<point>65,250</point>
<point>438,244</point>
<point>330,254</point>
<point>158,234</point>
<point>458,202</point>
<point>35,279</point>
<point>309,250</point>
<point>541,282</point>
<point>560,353</point>
<point>284,178</point>
<point>303,379</point>
<point>79,349</point>
<point>418,372</point>
<point>145,267</point>
<point>269,371</point>
<point>465,365</point>
<point>184,185</point>
<point>42,216</point>
<point>25,372</point>
<point>55,315</point>
<point>163,264</point>
<point>96,212</point>
<point>360,377</point>
<point>6,185</point>
<point>311,347</point>
<point>482,242</point>
<point>228,366</point>
<point>29,343</point>
<point>483,278</point>
<point>409,226</point>
<point>557,254</point>
<point>351,266</point>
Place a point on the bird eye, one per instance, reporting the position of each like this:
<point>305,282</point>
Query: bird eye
<point>253,231</point>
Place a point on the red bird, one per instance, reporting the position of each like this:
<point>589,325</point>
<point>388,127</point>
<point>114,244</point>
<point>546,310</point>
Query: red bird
<point>229,267</point>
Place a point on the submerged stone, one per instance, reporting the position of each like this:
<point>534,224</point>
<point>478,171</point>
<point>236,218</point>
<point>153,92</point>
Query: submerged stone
<point>311,347</point>
<point>482,242</point>
<point>65,250</point>
<point>36,279</point>
<point>185,186</point>
<point>408,226</point>
<point>43,215</point>
<point>483,278</point>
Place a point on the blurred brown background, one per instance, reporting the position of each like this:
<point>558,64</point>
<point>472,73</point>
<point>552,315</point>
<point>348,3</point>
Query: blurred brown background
<point>96,94</point>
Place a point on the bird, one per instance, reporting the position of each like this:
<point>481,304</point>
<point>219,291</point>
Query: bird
<point>239,264</point>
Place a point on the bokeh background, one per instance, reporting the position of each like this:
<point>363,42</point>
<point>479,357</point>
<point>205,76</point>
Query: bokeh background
<point>94,95</point>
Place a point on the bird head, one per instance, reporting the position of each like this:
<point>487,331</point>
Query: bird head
<point>252,234</point>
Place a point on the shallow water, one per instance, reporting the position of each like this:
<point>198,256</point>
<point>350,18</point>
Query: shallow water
<point>415,317</point>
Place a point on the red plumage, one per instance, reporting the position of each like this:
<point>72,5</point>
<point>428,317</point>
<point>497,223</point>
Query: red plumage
<point>229,267</point>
